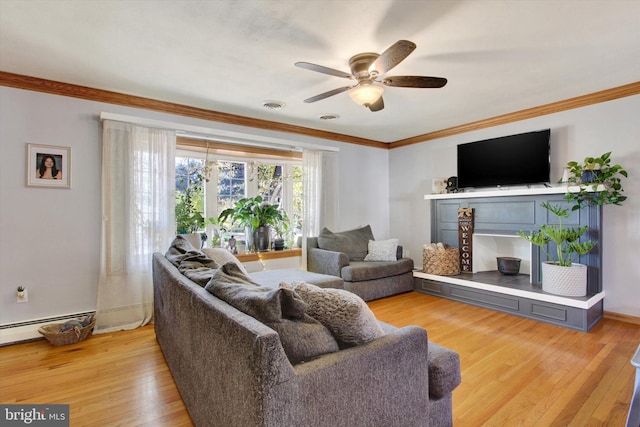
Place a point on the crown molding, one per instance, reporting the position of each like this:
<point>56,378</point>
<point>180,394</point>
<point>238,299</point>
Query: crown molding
<point>529,113</point>
<point>36,84</point>
<point>75,91</point>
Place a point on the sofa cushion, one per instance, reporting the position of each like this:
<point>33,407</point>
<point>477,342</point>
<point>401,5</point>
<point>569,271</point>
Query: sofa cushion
<point>223,256</point>
<point>358,271</point>
<point>273,278</point>
<point>302,337</point>
<point>343,313</point>
<point>382,250</point>
<point>354,243</point>
<point>235,288</point>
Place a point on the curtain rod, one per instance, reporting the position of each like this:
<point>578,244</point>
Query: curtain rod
<point>231,137</point>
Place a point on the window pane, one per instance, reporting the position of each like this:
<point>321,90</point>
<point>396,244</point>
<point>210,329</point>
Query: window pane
<point>298,200</point>
<point>270,183</point>
<point>189,195</point>
<point>231,183</point>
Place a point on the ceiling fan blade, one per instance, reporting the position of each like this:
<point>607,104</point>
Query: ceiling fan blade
<point>327,94</point>
<point>324,70</point>
<point>415,81</point>
<point>377,106</point>
<point>392,56</point>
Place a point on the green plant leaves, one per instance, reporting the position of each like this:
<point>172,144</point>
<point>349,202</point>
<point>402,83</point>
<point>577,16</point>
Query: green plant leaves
<point>568,246</point>
<point>601,173</point>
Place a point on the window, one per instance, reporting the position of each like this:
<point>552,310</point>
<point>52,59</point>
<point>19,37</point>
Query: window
<point>205,190</point>
<point>189,194</point>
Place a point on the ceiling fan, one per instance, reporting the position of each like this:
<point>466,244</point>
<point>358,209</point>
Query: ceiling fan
<point>367,69</point>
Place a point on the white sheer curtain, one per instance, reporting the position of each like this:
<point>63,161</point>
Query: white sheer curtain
<point>138,201</point>
<point>320,180</point>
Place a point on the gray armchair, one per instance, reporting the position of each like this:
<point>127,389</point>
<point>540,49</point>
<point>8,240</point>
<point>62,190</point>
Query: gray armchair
<point>346,254</point>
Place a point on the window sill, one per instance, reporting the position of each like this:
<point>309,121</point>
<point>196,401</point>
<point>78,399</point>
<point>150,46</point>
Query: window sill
<point>262,256</point>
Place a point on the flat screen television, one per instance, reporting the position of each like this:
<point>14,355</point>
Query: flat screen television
<point>521,159</point>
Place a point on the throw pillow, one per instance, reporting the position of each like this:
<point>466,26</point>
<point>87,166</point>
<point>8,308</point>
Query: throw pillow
<point>354,243</point>
<point>223,256</point>
<point>304,339</point>
<point>382,250</point>
<point>345,314</point>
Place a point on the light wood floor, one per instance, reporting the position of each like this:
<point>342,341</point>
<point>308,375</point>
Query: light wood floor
<point>515,372</point>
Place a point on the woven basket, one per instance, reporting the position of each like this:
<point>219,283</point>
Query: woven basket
<point>441,262</point>
<point>54,336</point>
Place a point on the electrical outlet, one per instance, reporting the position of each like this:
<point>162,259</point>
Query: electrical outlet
<point>22,297</point>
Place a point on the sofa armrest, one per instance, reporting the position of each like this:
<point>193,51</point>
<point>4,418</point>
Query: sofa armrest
<point>377,383</point>
<point>326,262</point>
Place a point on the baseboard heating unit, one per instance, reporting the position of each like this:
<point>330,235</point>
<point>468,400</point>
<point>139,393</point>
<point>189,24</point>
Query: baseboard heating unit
<point>12,333</point>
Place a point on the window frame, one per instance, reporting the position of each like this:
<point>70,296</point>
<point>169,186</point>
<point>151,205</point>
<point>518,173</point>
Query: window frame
<point>216,151</point>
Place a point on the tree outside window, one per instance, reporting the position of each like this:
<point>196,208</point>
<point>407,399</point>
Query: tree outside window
<point>189,195</point>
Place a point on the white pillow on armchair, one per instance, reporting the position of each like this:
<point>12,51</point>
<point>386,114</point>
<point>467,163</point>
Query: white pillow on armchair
<point>382,250</point>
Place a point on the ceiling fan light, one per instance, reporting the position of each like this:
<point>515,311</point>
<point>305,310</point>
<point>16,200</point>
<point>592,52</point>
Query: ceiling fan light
<point>366,93</point>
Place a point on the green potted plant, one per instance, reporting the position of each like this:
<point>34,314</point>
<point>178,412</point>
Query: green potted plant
<point>562,276</point>
<point>281,228</point>
<point>257,216</point>
<point>599,182</point>
<point>189,220</point>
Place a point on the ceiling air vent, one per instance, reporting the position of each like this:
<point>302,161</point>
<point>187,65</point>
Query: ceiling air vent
<point>329,116</point>
<point>273,105</point>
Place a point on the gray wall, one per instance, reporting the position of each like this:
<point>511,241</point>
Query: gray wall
<point>50,238</point>
<point>575,134</point>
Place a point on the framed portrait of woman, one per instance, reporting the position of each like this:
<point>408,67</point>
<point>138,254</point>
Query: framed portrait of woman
<point>48,166</point>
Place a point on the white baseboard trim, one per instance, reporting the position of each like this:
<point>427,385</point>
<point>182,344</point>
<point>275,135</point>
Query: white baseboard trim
<point>12,333</point>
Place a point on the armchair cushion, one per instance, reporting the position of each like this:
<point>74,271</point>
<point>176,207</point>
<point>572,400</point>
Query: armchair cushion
<point>358,271</point>
<point>354,243</point>
<point>382,250</point>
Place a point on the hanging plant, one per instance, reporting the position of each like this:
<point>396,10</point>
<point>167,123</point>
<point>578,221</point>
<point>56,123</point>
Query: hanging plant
<point>599,182</point>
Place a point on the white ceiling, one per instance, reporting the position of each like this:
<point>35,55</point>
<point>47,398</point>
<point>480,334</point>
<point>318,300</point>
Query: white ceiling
<point>499,56</point>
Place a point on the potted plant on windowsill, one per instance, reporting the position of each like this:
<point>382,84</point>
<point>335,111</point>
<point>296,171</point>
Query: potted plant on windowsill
<point>599,182</point>
<point>189,221</point>
<point>281,228</point>
<point>562,276</point>
<point>257,216</point>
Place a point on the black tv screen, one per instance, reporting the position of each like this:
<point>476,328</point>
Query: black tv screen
<point>509,160</point>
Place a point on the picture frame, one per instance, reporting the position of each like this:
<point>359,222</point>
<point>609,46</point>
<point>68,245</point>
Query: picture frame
<point>48,166</point>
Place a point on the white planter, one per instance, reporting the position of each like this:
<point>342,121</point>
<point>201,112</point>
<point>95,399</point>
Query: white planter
<point>565,281</point>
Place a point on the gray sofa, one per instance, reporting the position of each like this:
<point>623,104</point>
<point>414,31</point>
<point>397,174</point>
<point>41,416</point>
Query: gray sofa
<point>344,254</point>
<point>232,370</point>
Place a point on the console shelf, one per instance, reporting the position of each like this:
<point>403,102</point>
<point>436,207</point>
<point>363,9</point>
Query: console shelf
<point>504,213</point>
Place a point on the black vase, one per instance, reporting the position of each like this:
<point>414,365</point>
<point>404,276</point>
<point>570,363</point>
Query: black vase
<point>261,238</point>
<point>278,244</point>
<point>589,176</point>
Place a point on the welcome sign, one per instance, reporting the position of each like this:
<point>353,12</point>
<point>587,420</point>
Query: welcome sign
<point>465,241</point>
